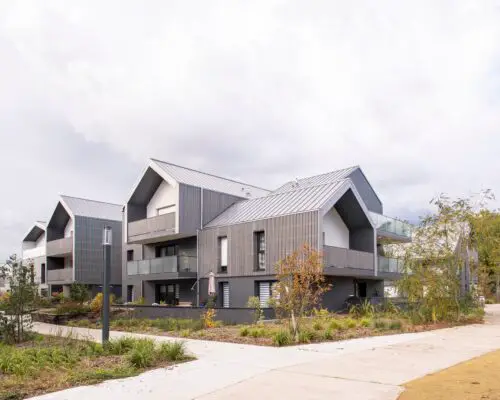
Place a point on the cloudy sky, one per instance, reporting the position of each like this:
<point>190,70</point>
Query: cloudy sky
<point>262,91</point>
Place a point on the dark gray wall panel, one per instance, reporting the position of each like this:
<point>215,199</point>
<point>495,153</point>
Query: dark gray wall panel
<point>366,191</point>
<point>283,236</point>
<point>89,252</point>
<point>189,209</point>
<point>362,240</point>
<point>214,203</point>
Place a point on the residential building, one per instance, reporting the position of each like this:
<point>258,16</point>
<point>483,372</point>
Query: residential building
<point>33,252</point>
<point>74,246</point>
<point>182,225</point>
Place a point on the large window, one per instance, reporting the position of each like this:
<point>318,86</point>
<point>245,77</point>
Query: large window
<point>168,294</point>
<point>223,254</point>
<point>260,251</point>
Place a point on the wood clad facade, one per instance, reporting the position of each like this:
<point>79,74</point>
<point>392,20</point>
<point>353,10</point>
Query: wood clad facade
<point>283,235</point>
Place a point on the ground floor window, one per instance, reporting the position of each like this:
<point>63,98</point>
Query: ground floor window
<point>264,292</point>
<point>168,294</point>
<point>224,289</point>
<point>360,289</point>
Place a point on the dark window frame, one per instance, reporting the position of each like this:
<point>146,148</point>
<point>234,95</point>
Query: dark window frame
<point>130,255</point>
<point>260,251</point>
<point>222,269</point>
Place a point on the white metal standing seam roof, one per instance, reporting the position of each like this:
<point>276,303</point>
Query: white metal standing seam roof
<point>315,180</point>
<point>277,204</point>
<point>93,208</point>
<point>192,177</point>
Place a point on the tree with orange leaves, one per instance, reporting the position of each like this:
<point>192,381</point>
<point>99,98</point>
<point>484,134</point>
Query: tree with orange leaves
<point>300,285</point>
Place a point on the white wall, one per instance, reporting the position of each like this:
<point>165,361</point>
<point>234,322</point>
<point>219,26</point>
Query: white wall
<point>165,195</point>
<point>336,232</point>
<point>69,228</point>
<point>41,241</point>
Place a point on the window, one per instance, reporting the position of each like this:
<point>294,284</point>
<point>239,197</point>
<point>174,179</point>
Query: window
<point>224,288</point>
<point>223,254</point>
<point>264,292</point>
<point>165,210</point>
<point>166,251</point>
<point>42,273</point>
<point>260,251</point>
<point>130,255</point>
<point>168,294</point>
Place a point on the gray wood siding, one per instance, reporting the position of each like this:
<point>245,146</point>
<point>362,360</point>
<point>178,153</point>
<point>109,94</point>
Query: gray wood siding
<point>215,203</point>
<point>190,206</point>
<point>283,236</point>
<point>189,209</point>
<point>89,252</point>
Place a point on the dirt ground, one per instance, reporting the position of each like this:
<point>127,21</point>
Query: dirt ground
<point>478,378</point>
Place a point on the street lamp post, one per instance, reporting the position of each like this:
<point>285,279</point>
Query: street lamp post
<point>106,243</point>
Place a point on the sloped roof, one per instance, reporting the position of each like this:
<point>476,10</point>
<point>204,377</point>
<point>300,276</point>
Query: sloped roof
<point>315,180</point>
<point>93,209</point>
<point>277,204</point>
<point>204,180</point>
<point>38,228</point>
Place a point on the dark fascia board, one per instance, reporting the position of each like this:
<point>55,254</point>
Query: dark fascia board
<point>34,233</point>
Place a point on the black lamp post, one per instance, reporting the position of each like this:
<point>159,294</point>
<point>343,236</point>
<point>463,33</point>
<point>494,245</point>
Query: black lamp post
<point>106,243</point>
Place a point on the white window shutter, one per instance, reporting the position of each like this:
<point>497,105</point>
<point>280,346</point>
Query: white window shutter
<point>264,294</point>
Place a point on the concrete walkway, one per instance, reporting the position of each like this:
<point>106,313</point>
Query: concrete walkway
<point>369,368</point>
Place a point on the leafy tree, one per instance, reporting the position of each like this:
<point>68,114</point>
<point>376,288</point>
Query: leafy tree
<point>300,285</point>
<point>486,238</point>
<point>254,302</point>
<point>23,295</point>
<point>441,248</point>
<point>79,293</point>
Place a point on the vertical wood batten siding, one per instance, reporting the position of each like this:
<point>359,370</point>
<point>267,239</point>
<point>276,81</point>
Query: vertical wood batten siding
<point>284,235</point>
<point>89,252</point>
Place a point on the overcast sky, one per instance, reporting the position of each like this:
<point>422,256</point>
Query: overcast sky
<point>262,91</point>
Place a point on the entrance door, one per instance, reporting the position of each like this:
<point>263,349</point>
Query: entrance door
<point>362,289</point>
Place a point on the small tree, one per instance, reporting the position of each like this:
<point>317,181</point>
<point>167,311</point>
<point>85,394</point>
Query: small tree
<point>23,294</point>
<point>300,285</point>
<point>254,302</point>
<point>79,293</point>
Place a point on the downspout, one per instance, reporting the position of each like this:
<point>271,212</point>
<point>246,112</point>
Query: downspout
<point>198,251</point>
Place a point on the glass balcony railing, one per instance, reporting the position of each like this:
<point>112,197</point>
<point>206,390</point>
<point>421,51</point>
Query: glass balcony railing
<point>168,264</point>
<point>391,226</point>
<point>392,265</point>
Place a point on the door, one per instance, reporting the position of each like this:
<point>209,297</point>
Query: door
<point>362,289</point>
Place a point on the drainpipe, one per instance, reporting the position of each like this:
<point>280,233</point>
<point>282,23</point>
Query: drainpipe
<point>198,251</point>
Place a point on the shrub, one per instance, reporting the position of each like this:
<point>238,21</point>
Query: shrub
<point>97,302</point>
<point>185,333</point>
<point>322,314</point>
<point>337,325</point>
<point>244,331</point>
<point>143,353</point>
<point>365,322</point>
<point>120,346</point>
<point>208,318</point>
<point>328,334</point>
<point>174,351</point>
<point>282,338</point>
<point>257,332</point>
<point>306,336</point>
<point>72,309</point>
<point>317,325</point>
<point>381,324</point>
<point>254,302</point>
<point>350,323</point>
<point>79,293</point>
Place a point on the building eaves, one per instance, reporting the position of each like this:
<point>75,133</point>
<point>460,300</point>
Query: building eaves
<point>93,208</point>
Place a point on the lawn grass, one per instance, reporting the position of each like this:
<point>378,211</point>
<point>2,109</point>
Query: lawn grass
<point>474,379</point>
<point>49,363</point>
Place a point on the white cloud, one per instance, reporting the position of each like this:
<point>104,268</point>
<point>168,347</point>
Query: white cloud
<point>264,91</point>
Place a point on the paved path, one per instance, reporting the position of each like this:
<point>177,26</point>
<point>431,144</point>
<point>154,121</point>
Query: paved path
<point>365,369</point>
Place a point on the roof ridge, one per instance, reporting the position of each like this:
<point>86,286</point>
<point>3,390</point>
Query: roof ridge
<point>330,172</point>
<point>95,201</point>
<point>208,173</point>
<point>272,194</point>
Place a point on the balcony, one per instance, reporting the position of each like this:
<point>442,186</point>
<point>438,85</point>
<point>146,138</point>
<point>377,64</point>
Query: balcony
<point>60,247</point>
<point>390,265</point>
<point>391,227</point>
<point>34,252</point>
<point>337,257</point>
<point>63,275</point>
<point>150,229</point>
<point>164,267</point>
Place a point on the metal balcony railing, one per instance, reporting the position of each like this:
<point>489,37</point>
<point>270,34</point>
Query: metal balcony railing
<point>170,264</point>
